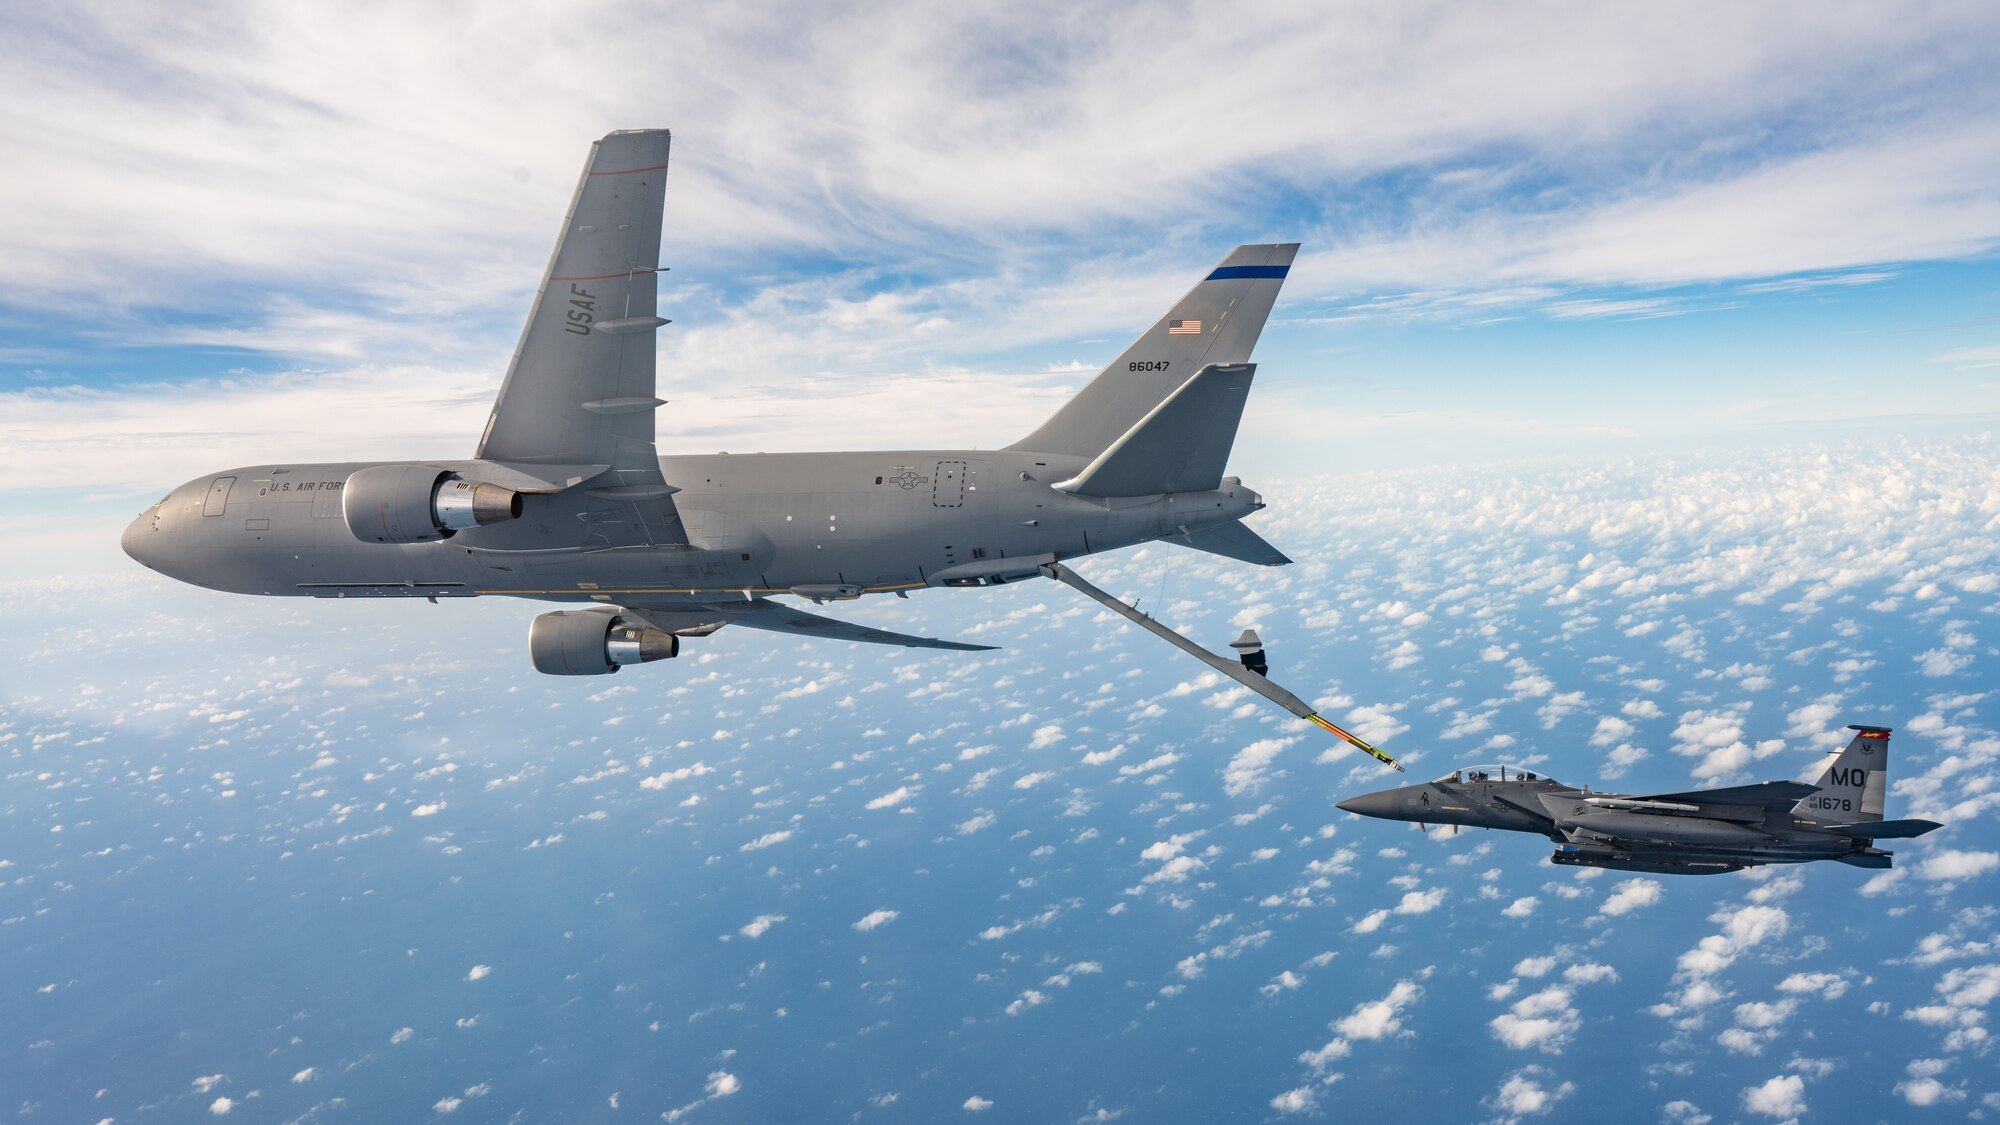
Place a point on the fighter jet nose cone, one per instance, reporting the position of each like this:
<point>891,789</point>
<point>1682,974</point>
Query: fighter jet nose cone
<point>1370,804</point>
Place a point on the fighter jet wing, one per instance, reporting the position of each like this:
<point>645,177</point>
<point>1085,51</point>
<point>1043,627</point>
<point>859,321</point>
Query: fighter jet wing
<point>769,615</point>
<point>1768,794</point>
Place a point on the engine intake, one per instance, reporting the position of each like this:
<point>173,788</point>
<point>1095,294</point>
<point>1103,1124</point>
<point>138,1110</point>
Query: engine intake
<point>420,504</point>
<point>595,642</point>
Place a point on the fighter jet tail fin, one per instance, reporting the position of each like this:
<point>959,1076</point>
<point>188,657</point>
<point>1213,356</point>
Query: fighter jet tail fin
<point>1216,323</point>
<point>1852,780</point>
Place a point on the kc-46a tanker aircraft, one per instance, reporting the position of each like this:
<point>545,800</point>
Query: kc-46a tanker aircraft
<point>566,497</point>
<point>1699,832</point>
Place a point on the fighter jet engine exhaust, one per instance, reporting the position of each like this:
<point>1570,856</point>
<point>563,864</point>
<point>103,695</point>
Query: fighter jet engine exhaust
<point>595,642</point>
<point>421,503</point>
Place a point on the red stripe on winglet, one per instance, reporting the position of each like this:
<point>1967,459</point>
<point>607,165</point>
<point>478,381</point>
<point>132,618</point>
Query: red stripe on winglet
<point>629,171</point>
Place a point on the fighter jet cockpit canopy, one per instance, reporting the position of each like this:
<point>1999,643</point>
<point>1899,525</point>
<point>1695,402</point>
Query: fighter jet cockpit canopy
<point>1502,772</point>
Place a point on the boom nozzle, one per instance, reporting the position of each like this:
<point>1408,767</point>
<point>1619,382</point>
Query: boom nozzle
<point>1358,743</point>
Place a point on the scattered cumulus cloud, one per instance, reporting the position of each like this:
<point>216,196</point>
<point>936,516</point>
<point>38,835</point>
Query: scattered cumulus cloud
<point>766,840</point>
<point>1630,895</point>
<point>1370,1020</point>
<point>1543,1021</point>
<point>1951,865</point>
<point>1529,1092</point>
<point>1246,771</point>
<point>1300,1099</point>
<point>892,798</point>
<point>875,919</point>
<point>1780,1097</point>
<point>662,780</point>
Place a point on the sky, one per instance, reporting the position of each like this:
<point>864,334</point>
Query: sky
<point>1526,229</point>
<point>1630,409</point>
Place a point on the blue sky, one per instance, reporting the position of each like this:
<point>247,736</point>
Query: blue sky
<point>1527,229</point>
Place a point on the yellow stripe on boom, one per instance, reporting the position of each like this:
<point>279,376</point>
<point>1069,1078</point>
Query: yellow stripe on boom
<point>1356,742</point>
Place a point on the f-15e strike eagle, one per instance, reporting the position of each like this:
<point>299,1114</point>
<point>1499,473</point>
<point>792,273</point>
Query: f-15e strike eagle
<point>1700,832</point>
<point>567,499</point>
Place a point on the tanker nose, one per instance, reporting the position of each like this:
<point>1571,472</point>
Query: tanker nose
<point>1381,804</point>
<point>140,539</point>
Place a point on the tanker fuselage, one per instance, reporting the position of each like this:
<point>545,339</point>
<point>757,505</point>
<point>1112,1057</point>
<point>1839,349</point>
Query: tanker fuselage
<point>843,523</point>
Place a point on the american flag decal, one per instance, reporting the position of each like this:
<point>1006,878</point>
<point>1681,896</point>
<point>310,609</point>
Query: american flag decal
<point>1184,328</point>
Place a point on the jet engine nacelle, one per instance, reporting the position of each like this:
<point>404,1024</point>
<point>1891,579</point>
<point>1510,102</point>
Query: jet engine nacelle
<point>420,503</point>
<point>595,642</point>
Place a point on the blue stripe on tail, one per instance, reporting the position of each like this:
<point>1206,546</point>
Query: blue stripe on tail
<point>1229,273</point>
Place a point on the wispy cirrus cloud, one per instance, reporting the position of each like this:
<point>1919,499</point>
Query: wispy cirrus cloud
<point>928,225</point>
<point>1610,147</point>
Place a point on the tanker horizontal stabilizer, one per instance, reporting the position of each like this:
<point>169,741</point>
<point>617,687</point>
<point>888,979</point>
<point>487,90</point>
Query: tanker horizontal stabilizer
<point>1233,540</point>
